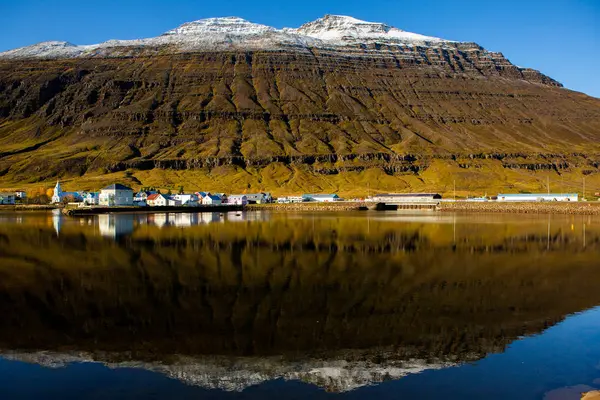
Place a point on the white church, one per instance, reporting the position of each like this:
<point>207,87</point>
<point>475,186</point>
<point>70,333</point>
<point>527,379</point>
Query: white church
<point>58,196</point>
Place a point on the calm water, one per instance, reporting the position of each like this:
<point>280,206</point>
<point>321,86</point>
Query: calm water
<point>280,305</point>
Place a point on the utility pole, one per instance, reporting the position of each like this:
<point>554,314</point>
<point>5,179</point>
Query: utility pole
<point>583,188</point>
<point>455,190</point>
<point>548,184</point>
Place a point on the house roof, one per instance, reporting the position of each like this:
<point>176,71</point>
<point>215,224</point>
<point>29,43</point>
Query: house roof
<point>320,195</point>
<point>214,197</point>
<point>154,196</point>
<point>117,186</point>
<point>237,196</point>
<point>406,195</point>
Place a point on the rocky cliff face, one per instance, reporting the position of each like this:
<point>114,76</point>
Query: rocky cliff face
<point>278,108</point>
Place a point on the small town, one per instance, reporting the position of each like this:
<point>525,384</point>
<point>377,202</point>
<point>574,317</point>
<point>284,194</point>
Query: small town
<point>118,195</point>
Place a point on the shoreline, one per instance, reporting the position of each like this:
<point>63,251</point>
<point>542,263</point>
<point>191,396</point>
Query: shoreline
<point>75,212</point>
<point>29,207</point>
<point>565,208</point>
<point>575,208</point>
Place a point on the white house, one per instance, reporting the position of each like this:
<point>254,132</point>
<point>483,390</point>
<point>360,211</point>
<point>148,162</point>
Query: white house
<point>211,200</point>
<point>237,199</point>
<point>116,195</point>
<point>7,198</point>
<point>157,200</point>
<point>538,197</point>
<point>188,200</point>
<point>91,199</point>
<point>20,194</point>
<point>173,202</point>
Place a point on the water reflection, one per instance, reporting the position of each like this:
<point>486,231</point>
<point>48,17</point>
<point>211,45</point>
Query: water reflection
<point>337,300</point>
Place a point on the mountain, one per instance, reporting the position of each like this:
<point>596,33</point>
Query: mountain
<point>338,104</point>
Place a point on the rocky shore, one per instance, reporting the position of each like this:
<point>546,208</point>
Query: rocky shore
<point>337,206</point>
<point>582,208</point>
<point>29,207</point>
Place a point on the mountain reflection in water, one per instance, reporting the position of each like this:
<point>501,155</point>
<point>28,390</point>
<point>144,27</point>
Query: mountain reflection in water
<point>339,300</point>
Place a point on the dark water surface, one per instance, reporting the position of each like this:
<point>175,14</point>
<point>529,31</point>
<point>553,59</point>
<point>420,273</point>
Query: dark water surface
<point>281,305</point>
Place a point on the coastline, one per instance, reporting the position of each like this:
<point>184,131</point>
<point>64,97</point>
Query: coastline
<point>73,212</point>
<point>29,207</point>
<point>575,208</point>
<point>579,208</point>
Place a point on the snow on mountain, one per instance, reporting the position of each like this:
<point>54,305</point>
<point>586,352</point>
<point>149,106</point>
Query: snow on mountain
<point>344,30</point>
<point>236,33</point>
<point>237,374</point>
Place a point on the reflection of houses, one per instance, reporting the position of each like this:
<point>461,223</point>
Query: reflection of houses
<point>157,200</point>
<point>209,218</point>
<point>7,198</point>
<point>116,195</point>
<point>115,225</point>
<point>57,220</point>
<point>211,200</point>
<point>237,199</point>
<point>539,197</point>
<point>159,220</point>
<point>321,198</point>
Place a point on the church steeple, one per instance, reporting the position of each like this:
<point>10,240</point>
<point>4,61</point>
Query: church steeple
<point>57,189</point>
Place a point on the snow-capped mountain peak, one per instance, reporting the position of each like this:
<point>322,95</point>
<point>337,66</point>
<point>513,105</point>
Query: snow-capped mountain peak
<point>344,28</point>
<point>232,25</point>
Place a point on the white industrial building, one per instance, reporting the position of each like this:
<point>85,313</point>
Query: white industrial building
<point>407,198</point>
<point>515,197</point>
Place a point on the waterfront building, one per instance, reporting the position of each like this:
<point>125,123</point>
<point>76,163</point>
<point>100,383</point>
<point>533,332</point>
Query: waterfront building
<point>157,200</point>
<point>173,202</point>
<point>140,198</point>
<point>20,194</point>
<point>116,195</point>
<point>91,199</point>
<point>515,197</point>
<point>259,198</point>
<point>406,197</point>
<point>7,198</point>
<point>321,198</point>
<point>212,200</point>
<point>237,199</point>
<point>58,196</point>
<point>188,200</point>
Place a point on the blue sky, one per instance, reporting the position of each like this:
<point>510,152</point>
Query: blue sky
<point>561,38</point>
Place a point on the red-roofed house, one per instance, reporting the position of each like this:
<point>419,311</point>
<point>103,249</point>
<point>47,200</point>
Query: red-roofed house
<point>157,200</point>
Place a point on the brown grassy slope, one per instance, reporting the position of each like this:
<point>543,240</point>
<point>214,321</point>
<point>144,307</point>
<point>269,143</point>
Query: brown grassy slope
<point>289,122</point>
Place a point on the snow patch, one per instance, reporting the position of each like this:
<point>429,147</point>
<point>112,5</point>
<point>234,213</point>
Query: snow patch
<point>331,31</point>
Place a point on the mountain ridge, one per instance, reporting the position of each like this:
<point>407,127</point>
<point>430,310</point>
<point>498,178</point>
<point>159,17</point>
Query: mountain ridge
<point>341,113</point>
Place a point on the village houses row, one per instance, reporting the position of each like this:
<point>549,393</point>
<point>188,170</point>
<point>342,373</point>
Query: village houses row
<point>121,195</point>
